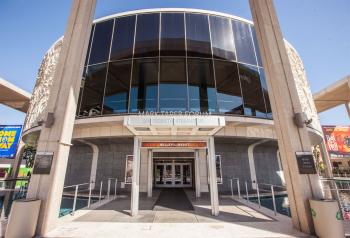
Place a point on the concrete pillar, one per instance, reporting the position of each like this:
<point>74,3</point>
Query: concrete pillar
<point>214,195</point>
<point>94,161</point>
<point>285,103</point>
<point>149,174</point>
<point>197,174</point>
<point>347,106</point>
<point>56,133</point>
<point>135,184</point>
<point>252,163</point>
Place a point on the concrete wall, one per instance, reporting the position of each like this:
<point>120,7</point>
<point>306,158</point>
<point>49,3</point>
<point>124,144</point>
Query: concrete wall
<point>79,165</point>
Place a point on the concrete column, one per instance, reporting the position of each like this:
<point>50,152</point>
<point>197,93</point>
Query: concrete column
<point>252,163</point>
<point>135,184</point>
<point>285,103</point>
<point>197,174</point>
<point>347,106</point>
<point>149,173</point>
<point>56,133</point>
<point>214,195</point>
<point>94,161</point>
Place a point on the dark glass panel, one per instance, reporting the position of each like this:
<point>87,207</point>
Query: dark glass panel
<point>91,101</point>
<point>256,44</point>
<point>198,37</point>
<point>117,87</point>
<point>265,93</point>
<point>252,93</point>
<point>244,42</point>
<point>201,85</point>
<point>144,88</point>
<point>81,90</point>
<point>147,36</point>
<point>172,85</point>
<point>172,41</point>
<point>89,46</point>
<point>222,38</point>
<point>101,42</point>
<point>123,38</point>
<point>228,87</point>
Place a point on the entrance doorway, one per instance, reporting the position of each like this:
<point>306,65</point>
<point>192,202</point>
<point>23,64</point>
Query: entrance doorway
<point>172,173</point>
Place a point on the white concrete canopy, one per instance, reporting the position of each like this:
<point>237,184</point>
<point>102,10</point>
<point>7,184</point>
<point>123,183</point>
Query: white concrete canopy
<point>13,96</point>
<point>334,95</point>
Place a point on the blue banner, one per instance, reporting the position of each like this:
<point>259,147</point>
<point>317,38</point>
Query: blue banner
<point>9,136</point>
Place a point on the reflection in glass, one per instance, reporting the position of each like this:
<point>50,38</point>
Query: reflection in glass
<point>252,92</point>
<point>147,36</point>
<point>101,43</point>
<point>198,37</point>
<point>228,87</point>
<point>265,93</point>
<point>91,101</point>
<point>172,41</point>
<point>243,42</point>
<point>144,86</point>
<point>222,38</point>
<point>117,87</point>
<point>256,45</point>
<point>123,38</point>
<point>89,46</point>
<point>172,85</point>
<point>201,86</point>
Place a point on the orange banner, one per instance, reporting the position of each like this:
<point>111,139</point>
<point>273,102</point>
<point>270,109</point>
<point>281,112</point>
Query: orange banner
<point>174,144</point>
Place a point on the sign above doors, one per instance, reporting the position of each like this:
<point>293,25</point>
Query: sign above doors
<point>174,144</point>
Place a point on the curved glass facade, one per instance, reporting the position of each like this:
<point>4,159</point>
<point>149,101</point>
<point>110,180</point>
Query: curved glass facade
<point>173,62</point>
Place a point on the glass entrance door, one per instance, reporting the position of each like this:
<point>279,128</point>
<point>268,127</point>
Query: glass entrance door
<point>173,174</point>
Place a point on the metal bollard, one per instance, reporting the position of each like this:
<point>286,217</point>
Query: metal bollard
<point>89,200</point>
<point>108,188</point>
<point>258,193</point>
<point>238,189</point>
<point>75,198</point>
<point>231,188</point>
<point>246,191</point>
<point>273,200</point>
<point>115,187</point>
<point>99,198</point>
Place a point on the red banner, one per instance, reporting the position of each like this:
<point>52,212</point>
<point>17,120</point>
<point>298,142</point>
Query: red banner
<point>172,144</point>
<point>337,140</point>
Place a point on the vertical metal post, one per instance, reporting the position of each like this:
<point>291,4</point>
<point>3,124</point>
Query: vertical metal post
<point>258,193</point>
<point>108,188</point>
<point>89,200</point>
<point>231,188</point>
<point>99,198</point>
<point>246,191</point>
<point>238,189</point>
<point>115,187</point>
<point>75,198</point>
<point>273,200</point>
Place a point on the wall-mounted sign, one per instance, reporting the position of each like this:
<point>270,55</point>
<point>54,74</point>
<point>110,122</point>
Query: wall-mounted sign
<point>174,144</point>
<point>337,141</point>
<point>9,136</point>
<point>42,162</point>
<point>306,163</point>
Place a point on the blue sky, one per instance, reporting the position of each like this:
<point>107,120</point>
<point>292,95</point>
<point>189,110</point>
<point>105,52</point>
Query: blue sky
<point>318,29</point>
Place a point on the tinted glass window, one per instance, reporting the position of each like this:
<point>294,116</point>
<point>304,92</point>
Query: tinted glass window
<point>172,41</point>
<point>172,85</point>
<point>201,85</point>
<point>252,93</point>
<point>101,42</point>
<point>222,38</point>
<point>123,38</point>
<point>244,42</point>
<point>228,87</point>
<point>147,36</point>
<point>257,49</point>
<point>89,46</point>
<point>198,37</point>
<point>144,88</point>
<point>117,87</point>
<point>265,93</point>
<point>91,101</point>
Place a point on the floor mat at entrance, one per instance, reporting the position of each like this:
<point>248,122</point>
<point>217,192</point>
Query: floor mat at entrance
<point>173,199</point>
